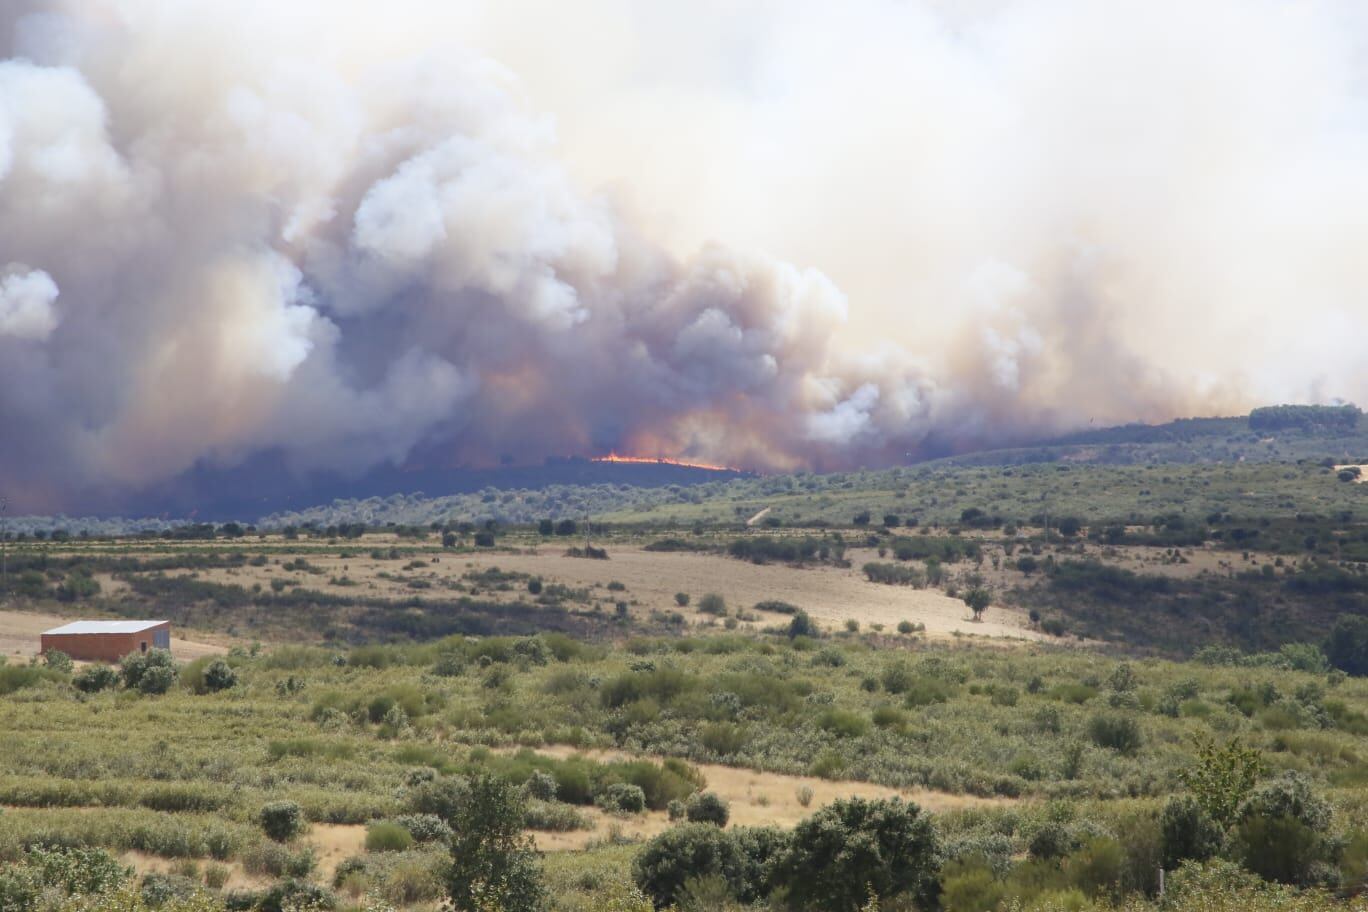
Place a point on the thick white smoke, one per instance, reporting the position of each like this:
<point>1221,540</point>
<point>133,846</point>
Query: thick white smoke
<point>342,233</point>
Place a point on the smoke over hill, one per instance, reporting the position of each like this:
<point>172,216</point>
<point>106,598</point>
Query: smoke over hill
<point>335,236</point>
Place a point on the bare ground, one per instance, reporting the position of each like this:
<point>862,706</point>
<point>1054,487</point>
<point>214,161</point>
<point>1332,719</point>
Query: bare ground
<point>755,799</point>
<point>831,595</point>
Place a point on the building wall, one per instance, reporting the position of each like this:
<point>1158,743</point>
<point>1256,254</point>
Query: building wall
<point>105,647</point>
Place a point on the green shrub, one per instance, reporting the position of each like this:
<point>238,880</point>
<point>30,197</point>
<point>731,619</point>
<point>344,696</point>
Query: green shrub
<point>95,678</point>
<point>387,836</point>
<point>924,691</point>
<point>281,820</point>
<point>622,798</point>
<point>58,661</point>
<point>1189,833</point>
<point>854,847</point>
<point>843,723</point>
<point>157,680</point>
<point>707,807</point>
<point>713,604</point>
<point>219,676</point>
<point>685,852</point>
<point>540,786</point>
<point>1120,733</point>
<point>424,827</point>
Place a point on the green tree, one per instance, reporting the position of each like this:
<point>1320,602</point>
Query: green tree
<point>978,599</point>
<point>1347,645</point>
<point>853,847</point>
<point>1223,777</point>
<point>493,864</point>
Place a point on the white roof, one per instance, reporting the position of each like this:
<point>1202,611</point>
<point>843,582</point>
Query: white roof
<point>105,627</point>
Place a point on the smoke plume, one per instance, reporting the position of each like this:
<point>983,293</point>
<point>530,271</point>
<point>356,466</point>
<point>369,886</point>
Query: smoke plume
<point>351,234</point>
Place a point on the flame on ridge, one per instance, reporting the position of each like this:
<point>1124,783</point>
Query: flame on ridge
<point>662,460</point>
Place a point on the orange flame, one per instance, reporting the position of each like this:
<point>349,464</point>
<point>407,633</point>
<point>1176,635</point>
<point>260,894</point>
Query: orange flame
<point>662,460</point>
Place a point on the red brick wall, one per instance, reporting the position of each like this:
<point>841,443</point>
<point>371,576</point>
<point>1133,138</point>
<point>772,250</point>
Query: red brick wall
<point>98,647</point>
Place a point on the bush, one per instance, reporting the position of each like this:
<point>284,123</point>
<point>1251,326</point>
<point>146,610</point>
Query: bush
<point>424,827</point>
<point>622,798</point>
<point>776,606</point>
<point>1188,833</point>
<point>541,786</point>
<point>281,820</point>
<point>58,661</point>
<point>707,807</point>
<point>802,626</point>
<point>95,678</point>
<point>135,666</point>
<point>157,680</point>
<point>854,847</point>
<point>1120,733</point>
<point>219,676</point>
<point>713,604</point>
<point>682,599</point>
<point>682,853</point>
<point>386,836</point>
<point>894,574</point>
<point>843,723</point>
<point>1280,834</point>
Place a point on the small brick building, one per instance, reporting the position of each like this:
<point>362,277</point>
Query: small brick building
<point>107,641</point>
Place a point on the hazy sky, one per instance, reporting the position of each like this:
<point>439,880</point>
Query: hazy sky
<point>778,234</point>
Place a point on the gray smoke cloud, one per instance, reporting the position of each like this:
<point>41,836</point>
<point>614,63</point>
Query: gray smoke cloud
<point>346,232</point>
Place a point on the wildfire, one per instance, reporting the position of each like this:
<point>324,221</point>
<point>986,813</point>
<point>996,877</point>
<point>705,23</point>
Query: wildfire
<point>662,460</point>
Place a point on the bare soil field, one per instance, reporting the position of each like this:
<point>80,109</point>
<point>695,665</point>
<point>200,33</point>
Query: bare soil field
<point>20,630</point>
<point>831,595</point>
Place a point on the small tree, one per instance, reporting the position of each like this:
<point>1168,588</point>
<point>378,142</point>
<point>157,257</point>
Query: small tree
<point>855,846</point>
<point>682,599</point>
<point>493,865</point>
<point>978,599</point>
<point>1347,645</point>
<point>1222,777</point>
<point>801,625</point>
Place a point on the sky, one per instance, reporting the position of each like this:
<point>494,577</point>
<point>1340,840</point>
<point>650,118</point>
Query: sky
<point>332,236</point>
